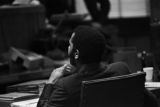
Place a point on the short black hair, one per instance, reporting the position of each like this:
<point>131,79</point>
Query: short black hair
<point>90,43</point>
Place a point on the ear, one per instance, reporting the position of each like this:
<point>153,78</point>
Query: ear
<point>76,54</point>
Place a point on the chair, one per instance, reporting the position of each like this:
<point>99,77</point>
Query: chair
<point>120,91</point>
<point>129,56</point>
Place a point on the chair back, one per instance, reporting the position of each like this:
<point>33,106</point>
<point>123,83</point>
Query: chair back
<point>129,56</point>
<point>120,91</point>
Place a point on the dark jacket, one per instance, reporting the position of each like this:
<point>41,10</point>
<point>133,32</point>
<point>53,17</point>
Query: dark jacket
<point>98,14</point>
<point>66,92</point>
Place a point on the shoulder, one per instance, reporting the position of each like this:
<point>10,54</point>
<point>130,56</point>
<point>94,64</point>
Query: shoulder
<point>119,68</point>
<point>68,78</point>
<point>118,65</point>
<point>69,82</point>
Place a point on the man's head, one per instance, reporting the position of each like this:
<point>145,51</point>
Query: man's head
<point>86,45</point>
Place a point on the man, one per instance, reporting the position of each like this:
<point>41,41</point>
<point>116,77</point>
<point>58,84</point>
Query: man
<point>85,50</point>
